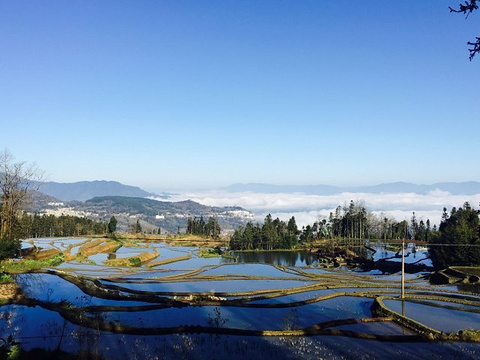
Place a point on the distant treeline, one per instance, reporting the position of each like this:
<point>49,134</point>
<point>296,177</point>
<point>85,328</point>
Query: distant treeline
<point>348,222</point>
<point>353,221</point>
<point>31,226</point>
<point>198,226</point>
<point>273,234</point>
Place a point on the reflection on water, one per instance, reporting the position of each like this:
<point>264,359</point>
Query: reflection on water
<point>268,303</point>
<point>232,286</point>
<point>305,258</point>
<point>249,270</point>
<point>282,258</point>
<point>250,318</point>
<point>436,317</point>
<point>411,255</point>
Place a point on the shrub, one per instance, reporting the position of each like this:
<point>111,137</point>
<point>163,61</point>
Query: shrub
<point>135,261</point>
<point>9,248</point>
<point>5,278</point>
<point>57,260</point>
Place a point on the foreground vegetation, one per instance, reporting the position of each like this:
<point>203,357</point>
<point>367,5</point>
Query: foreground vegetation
<point>27,265</point>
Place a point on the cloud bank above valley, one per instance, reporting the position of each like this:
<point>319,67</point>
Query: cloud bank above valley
<point>308,208</point>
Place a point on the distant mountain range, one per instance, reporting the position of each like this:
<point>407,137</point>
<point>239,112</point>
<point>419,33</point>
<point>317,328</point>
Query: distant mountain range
<point>102,199</point>
<point>454,188</point>
<point>168,215</point>
<point>84,190</point>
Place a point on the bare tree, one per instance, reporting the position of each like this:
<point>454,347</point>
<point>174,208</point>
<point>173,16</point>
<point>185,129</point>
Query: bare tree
<point>466,9</point>
<point>16,179</point>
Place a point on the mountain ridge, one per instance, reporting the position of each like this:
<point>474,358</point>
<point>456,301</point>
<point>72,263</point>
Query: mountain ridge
<point>85,190</point>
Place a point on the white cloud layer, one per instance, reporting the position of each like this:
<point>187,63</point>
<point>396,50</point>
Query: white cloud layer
<point>308,208</point>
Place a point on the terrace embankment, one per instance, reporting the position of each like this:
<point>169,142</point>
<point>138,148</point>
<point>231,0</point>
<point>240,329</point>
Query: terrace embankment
<point>251,298</point>
<point>456,274</point>
<point>136,260</point>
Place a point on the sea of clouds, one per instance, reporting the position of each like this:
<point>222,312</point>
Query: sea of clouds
<point>309,208</point>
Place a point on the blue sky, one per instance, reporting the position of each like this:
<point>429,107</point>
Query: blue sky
<point>199,94</point>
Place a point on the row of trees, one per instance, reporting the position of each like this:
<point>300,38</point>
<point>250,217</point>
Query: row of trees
<point>273,234</point>
<point>354,222</point>
<point>198,226</point>
<point>455,242</point>
<point>30,226</point>
<point>347,222</point>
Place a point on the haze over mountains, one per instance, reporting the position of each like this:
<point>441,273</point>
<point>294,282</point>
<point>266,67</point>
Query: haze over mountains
<point>85,190</point>
<point>238,203</point>
<point>308,203</point>
<point>454,188</point>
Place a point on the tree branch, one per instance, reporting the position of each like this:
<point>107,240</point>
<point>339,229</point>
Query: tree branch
<point>475,49</point>
<point>466,9</point>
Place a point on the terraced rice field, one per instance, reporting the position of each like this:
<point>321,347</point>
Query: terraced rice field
<point>148,300</point>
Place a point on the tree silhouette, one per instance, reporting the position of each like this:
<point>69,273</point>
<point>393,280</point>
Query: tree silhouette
<point>16,181</point>
<point>466,9</point>
<point>112,225</point>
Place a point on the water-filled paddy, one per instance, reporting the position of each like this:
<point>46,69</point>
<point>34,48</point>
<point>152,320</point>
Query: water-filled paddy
<point>230,286</point>
<point>387,328</point>
<point>50,331</point>
<point>250,318</point>
<point>312,294</point>
<point>51,288</point>
<point>190,264</point>
<point>436,317</point>
<point>200,304</point>
<point>260,270</point>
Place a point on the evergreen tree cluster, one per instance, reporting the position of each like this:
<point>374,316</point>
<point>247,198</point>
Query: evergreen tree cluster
<point>458,238</point>
<point>31,226</point>
<point>421,230</point>
<point>273,234</point>
<point>347,222</point>
<point>198,226</point>
<point>353,223</point>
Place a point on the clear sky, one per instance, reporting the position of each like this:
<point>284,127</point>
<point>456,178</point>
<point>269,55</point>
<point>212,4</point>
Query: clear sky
<point>196,94</point>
